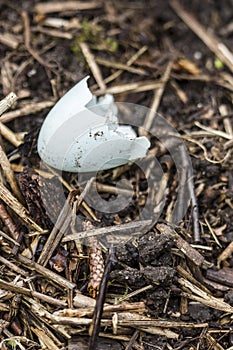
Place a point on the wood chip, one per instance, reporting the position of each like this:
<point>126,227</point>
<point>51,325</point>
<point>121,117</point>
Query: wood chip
<point>190,252</point>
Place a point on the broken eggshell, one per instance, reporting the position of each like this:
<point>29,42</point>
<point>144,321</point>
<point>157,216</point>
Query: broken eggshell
<point>82,134</point>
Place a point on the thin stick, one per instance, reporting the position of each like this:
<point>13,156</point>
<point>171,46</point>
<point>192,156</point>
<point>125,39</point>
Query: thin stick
<point>9,239</point>
<point>70,188</point>
<point>9,223</point>
<point>10,136</point>
<point>130,87</point>
<point>210,40</point>
<point>93,65</point>
<point>53,32</point>
<point>106,230</point>
<point>30,108</point>
<point>158,93</point>
<point>132,340</point>
<point>214,132</point>
<point>188,177</point>
<point>10,175</point>
<point>27,39</point>
<point>13,267</point>
<point>121,66</point>
<point>128,63</point>
<point>58,6</point>
<point>21,290</point>
<point>18,208</point>
<point>134,293</point>
<point>57,232</point>
<point>7,102</point>
<point>96,321</point>
<point>61,281</point>
<point>9,40</point>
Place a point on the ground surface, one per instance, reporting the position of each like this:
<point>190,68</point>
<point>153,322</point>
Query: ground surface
<point>171,280</point>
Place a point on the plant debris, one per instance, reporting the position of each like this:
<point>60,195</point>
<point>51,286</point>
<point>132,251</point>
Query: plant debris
<point>157,271</point>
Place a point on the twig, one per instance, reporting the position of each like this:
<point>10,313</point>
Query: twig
<point>10,175</point>
<point>113,190</point>
<point>194,203</point>
<point>190,252</point>
<point>7,102</point>
<point>61,281</point>
<point>5,217</point>
<point>53,32</point>
<point>128,64</point>
<point>223,276</point>
<point>120,66</point>
<point>205,151</point>
<point>108,309</point>
<point>12,266</point>
<point>93,65</point>
<point>106,230</point>
<point>199,295</point>
<point>52,7</point>
<point>132,340</point>
<point>58,231</point>
<point>212,232</point>
<point>186,188</point>
<point>70,188</point>
<point>30,108</point>
<point>45,339</point>
<point>10,136</point>
<point>9,40</point>
<point>21,290</point>
<point>228,145</point>
<point>214,132</point>
<point>134,293</point>
<point>188,276</point>
<point>183,245</point>
<point>158,93</point>
<point>210,40</point>
<point>34,54</point>
<point>130,87</point>
<point>18,208</point>
<point>161,323</point>
<point>96,321</point>
<point>225,254</point>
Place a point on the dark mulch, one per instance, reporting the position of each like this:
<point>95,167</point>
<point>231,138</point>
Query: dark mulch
<point>171,278</point>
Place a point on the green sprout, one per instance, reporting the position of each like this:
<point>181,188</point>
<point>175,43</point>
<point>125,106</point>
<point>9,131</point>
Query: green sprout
<point>95,36</point>
<point>218,63</point>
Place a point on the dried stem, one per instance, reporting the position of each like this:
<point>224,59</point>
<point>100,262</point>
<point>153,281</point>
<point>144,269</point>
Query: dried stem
<point>18,208</point>
<point>7,102</point>
<point>211,41</point>
<point>10,175</point>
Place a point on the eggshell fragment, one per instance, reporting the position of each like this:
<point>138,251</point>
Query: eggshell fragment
<point>82,134</point>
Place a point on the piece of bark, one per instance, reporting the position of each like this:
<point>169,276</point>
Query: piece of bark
<point>223,276</point>
<point>190,252</point>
